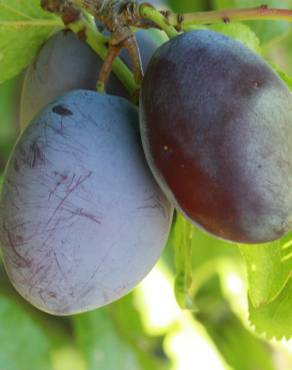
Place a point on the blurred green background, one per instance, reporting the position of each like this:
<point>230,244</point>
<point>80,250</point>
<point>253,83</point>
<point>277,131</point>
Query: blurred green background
<point>147,330</point>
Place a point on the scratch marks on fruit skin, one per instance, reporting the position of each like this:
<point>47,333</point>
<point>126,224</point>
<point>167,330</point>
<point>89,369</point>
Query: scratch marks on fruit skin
<point>20,260</point>
<point>70,191</point>
<point>13,195</point>
<point>155,201</point>
<point>65,205</point>
<point>36,156</point>
<point>61,178</point>
<point>16,165</point>
<point>82,213</point>
<point>64,276</point>
<point>62,138</point>
<point>86,287</point>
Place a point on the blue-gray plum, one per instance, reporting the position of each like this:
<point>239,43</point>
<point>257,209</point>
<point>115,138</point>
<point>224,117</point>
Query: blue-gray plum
<point>64,63</point>
<point>82,219</point>
<point>216,125</point>
<point>148,41</point>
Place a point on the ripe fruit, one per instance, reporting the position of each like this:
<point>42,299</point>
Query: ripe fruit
<point>148,41</point>
<point>216,125</point>
<point>82,220</point>
<point>64,64</point>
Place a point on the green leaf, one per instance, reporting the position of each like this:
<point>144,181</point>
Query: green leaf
<point>205,247</point>
<point>9,109</point>
<point>268,269</point>
<point>29,338</point>
<point>182,243</point>
<point>209,258</point>
<point>24,26</point>
<point>240,32</point>
<point>266,30</point>
<point>274,319</point>
<point>100,344</point>
<point>196,256</point>
<point>23,345</point>
<point>287,79</point>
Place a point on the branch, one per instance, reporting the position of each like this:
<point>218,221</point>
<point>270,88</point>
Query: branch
<point>229,15</point>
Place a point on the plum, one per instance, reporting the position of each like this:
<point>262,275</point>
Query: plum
<point>64,63</point>
<point>216,125</point>
<point>148,41</point>
<point>82,219</point>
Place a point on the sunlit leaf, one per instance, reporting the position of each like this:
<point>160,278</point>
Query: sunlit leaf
<point>274,319</point>
<point>268,269</point>
<point>24,26</point>
<point>182,242</point>
<point>240,32</point>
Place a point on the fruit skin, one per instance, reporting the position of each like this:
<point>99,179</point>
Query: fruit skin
<point>147,46</point>
<point>216,125</point>
<point>63,64</point>
<point>82,220</point>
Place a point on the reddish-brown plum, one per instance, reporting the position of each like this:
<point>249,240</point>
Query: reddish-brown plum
<point>216,125</point>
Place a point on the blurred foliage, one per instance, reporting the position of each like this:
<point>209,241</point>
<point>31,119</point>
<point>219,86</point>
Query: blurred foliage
<point>210,258</point>
<point>119,325</point>
<point>9,108</point>
<point>28,337</point>
<point>240,348</point>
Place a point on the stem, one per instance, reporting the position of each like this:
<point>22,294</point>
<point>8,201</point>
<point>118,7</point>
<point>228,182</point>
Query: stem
<point>151,14</point>
<point>183,262</point>
<point>97,42</point>
<point>228,15</point>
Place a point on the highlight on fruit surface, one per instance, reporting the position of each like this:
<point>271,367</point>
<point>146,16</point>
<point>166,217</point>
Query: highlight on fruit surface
<point>82,220</point>
<point>216,125</point>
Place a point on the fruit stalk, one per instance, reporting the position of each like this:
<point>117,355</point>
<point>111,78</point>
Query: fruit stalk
<point>159,19</point>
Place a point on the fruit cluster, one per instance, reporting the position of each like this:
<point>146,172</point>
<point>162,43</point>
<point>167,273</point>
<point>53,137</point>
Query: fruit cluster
<point>83,219</point>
